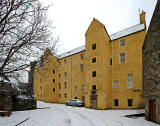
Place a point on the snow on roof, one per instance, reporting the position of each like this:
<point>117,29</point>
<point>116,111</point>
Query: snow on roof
<point>114,36</point>
<point>127,31</point>
<point>71,52</point>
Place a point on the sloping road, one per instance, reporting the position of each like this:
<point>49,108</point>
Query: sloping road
<point>61,115</point>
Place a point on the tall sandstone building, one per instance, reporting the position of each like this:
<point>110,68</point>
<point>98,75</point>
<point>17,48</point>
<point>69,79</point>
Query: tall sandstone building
<point>105,73</point>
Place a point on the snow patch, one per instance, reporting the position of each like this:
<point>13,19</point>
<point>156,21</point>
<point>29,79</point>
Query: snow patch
<point>61,115</point>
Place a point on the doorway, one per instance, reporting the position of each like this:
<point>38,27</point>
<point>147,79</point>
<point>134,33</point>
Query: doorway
<point>93,99</point>
<point>152,110</point>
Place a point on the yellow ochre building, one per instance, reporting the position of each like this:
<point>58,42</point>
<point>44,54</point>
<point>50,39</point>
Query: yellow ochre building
<point>105,73</point>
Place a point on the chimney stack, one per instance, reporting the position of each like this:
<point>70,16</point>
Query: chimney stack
<point>143,17</point>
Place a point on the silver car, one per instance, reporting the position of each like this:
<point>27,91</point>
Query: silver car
<point>75,102</point>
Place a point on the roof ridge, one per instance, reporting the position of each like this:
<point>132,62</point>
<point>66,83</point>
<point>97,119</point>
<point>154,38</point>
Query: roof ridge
<point>71,52</point>
<point>127,31</point>
<point>126,28</point>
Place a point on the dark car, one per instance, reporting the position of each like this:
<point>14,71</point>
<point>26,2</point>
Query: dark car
<point>75,102</point>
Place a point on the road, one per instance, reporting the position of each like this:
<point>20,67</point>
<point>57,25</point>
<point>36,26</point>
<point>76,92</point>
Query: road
<point>61,115</point>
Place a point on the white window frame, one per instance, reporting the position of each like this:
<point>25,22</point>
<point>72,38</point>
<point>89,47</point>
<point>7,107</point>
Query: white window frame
<point>122,43</point>
<point>75,88</point>
<point>130,81</point>
<point>122,58</point>
<point>116,83</point>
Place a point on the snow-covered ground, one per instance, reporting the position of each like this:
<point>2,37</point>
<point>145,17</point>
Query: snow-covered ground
<point>61,115</point>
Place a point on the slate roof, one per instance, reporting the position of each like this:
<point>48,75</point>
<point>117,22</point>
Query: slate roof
<point>71,52</point>
<point>128,31</point>
<point>125,32</point>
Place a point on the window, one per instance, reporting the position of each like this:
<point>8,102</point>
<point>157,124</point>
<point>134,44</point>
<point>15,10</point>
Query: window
<point>75,97</point>
<point>59,86</point>
<point>54,80</point>
<point>94,60</point>
<point>41,95</point>
<point>59,75</point>
<point>38,95</point>
<point>122,57</point>
<point>122,42</point>
<point>94,74</point>
<point>65,61</point>
<point>93,46</point>
<point>110,61</point>
<point>59,95</point>
<point>116,83</point>
<point>65,95</point>
<point>53,89</point>
<point>130,102</point>
<point>53,71</point>
<point>83,88</point>
<point>65,74</point>
<point>82,56</point>
<point>81,65</point>
<point>40,87</point>
<point>94,87</point>
<point>75,88</point>
<point>130,81</point>
<point>65,85</point>
<point>115,102</point>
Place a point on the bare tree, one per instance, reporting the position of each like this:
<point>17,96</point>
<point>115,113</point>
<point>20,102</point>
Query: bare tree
<point>25,33</point>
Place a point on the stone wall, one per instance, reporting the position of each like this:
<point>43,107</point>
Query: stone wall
<point>151,64</point>
<point>5,100</point>
<point>151,56</point>
<point>24,104</point>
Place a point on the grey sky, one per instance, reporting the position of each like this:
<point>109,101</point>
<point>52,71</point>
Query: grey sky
<point>72,17</point>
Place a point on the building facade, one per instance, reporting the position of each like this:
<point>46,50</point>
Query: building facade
<point>105,73</point>
<point>151,68</point>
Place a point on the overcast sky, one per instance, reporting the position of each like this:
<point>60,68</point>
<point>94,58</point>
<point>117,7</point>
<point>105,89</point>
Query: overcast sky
<point>71,18</point>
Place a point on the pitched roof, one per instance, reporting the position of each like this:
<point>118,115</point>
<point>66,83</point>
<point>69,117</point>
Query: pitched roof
<point>71,52</point>
<point>128,31</point>
<point>125,32</point>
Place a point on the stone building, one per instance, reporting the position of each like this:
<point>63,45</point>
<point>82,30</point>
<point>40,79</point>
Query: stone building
<point>151,68</point>
<point>8,95</point>
<point>106,72</point>
<point>14,99</point>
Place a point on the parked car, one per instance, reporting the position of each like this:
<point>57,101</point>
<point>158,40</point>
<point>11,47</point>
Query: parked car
<point>75,102</point>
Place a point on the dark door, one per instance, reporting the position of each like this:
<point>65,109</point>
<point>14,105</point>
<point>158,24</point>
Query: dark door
<point>152,110</point>
<point>93,99</point>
